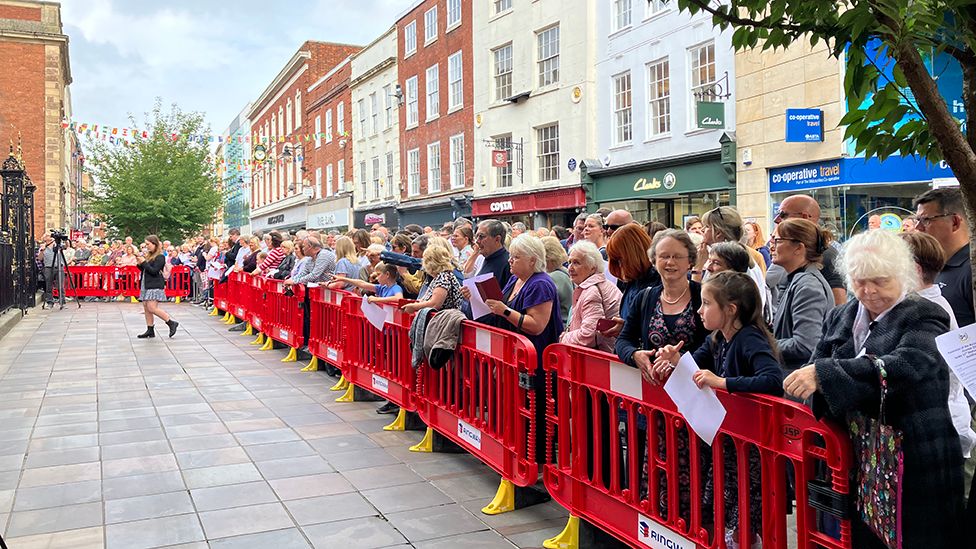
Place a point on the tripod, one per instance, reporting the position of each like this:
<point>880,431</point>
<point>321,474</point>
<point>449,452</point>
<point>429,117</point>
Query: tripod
<point>60,268</point>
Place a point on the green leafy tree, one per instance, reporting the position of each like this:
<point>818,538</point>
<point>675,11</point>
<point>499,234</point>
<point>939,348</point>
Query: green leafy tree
<point>156,185</point>
<point>907,114</point>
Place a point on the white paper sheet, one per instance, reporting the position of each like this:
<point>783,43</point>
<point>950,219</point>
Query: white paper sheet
<point>958,348</point>
<point>701,407</point>
<point>610,277</point>
<point>377,315</point>
<point>478,307</point>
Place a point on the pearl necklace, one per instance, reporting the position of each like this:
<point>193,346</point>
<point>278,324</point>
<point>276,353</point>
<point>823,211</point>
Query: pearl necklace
<point>669,302</point>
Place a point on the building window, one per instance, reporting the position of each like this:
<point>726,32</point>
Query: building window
<point>374,112</point>
<point>341,119</point>
<point>430,25</point>
<point>504,173</point>
<point>453,13</point>
<point>622,109</point>
<point>390,175</point>
<point>288,117</point>
<point>549,56</point>
<point>328,180</point>
<point>457,161</point>
<point>434,168</point>
<point>454,76</point>
<point>656,6</point>
<point>281,122</point>
<point>361,106</point>
<point>376,177</point>
<point>328,126</point>
<point>413,172</point>
<point>410,38</point>
<point>547,152</point>
<point>621,14</point>
<point>412,112</point>
<point>503,72</point>
<point>502,5</point>
<point>658,98</point>
<point>298,109</point>
<point>702,64</point>
<point>433,93</point>
<point>318,131</point>
<point>340,176</point>
<point>318,182</point>
<point>388,101</point>
<point>362,181</point>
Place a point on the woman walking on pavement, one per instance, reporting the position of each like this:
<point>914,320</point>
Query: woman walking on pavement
<point>154,287</point>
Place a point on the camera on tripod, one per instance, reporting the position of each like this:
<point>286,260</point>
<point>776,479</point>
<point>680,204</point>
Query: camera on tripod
<point>58,236</point>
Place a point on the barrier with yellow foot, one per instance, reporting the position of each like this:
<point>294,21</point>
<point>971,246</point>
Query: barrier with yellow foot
<point>313,366</point>
<point>400,423</point>
<point>341,385</point>
<point>292,356</point>
<point>259,340</point>
<point>504,500</point>
<point>268,344</point>
<point>567,539</point>
<point>214,312</point>
<point>349,395</point>
<point>248,330</point>
<point>426,445</point>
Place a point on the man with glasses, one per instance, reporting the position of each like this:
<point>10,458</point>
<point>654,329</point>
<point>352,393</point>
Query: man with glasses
<point>801,206</point>
<point>576,234</point>
<point>615,220</point>
<point>940,213</point>
<point>490,242</point>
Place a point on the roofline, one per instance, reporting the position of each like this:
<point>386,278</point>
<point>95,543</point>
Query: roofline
<point>334,70</point>
<point>390,30</point>
<point>291,66</point>
<point>416,4</point>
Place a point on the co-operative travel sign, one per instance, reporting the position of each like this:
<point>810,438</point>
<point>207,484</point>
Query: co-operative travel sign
<point>804,125</point>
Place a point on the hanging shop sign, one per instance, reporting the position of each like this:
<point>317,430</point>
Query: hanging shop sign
<point>711,115</point>
<point>499,159</point>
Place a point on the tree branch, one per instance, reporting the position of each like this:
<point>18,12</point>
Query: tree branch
<point>736,20</point>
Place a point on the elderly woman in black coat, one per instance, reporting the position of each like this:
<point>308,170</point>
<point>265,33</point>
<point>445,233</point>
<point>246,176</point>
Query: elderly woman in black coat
<point>887,327</point>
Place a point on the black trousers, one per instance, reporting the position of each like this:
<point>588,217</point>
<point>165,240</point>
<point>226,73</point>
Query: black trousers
<point>48,284</point>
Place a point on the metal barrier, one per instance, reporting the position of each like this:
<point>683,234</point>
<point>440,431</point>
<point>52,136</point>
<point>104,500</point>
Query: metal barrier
<point>594,432</point>
<point>326,338</point>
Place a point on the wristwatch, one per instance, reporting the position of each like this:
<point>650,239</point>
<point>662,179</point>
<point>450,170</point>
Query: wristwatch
<point>507,312</point>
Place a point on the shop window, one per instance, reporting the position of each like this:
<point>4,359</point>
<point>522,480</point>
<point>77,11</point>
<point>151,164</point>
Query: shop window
<point>547,152</point>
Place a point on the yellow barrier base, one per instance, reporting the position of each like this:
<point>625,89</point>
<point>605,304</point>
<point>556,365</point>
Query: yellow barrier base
<point>214,312</point>
<point>341,385</point>
<point>231,319</point>
<point>259,340</point>
<point>568,538</point>
<point>268,344</point>
<point>400,423</point>
<point>504,499</point>
<point>134,300</point>
<point>349,395</point>
<point>223,318</point>
<point>177,300</point>
<point>292,356</point>
<point>427,444</point>
<point>313,366</point>
<point>249,330</point>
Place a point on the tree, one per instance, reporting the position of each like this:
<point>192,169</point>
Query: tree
<point>885,43</point>
<point>158,184</point>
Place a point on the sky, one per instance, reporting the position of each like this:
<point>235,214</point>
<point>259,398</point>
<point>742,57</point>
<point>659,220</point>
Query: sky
<point>207,56</point>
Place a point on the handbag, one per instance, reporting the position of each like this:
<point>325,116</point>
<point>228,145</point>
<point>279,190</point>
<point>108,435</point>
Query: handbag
<point>880,471</point>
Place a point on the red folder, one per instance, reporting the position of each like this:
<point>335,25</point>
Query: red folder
<point>489,289</point>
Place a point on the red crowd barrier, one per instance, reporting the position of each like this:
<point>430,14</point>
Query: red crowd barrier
<point>596,469</point>
<point>326,338</point>
<point>179,282</point>
<point>284,316</point>
<point>107,281</point>
<point>128,280</point>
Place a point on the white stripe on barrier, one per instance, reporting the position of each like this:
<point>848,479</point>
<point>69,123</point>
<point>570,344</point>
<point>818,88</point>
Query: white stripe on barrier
<point>482,340</point>
<point>657,536</point>
<point>626,380</point>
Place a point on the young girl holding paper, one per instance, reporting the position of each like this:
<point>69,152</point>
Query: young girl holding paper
<point>740,357</point>
<point>386,290</point>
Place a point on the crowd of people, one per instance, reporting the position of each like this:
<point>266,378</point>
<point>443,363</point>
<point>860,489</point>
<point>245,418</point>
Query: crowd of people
<point>844,327</point>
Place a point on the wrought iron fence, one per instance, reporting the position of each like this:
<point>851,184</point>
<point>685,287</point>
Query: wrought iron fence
<point>18,270</point>
<point>8,298</point>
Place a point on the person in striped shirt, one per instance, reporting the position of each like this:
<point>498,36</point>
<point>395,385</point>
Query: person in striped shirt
<point>275,254</point>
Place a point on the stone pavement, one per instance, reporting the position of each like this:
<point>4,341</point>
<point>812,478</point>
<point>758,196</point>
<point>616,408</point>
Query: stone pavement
<point>108,441</point>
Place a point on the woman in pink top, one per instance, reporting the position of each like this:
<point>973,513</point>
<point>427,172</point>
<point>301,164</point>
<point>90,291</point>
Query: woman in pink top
<point>275,254</point>
<point>129,259</point>
<point>594,298</point>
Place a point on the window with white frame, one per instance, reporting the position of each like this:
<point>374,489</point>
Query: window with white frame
<point>374,112</point>
<point>376,177</point>
<point>504,173</point>
<point>281,122</point>
<point>388,101</point>
<point>455,84</point>
<point>318,182</point>
<point>621,14</point>
<point>433,93</point>
<point>390,175</point>
<point>622,109</point>
<point>657,6</point>
<point>548,56</point>
<point>430,25</point>
<point>328,181</point>
<point>457,161</point>
<point>502,5</point>
<point>453,13</point>
<point>361,107</point>
<point>318,131</point>
<point>658,98</point>
<point>328,126</point>
<point>413,115</point>
<point>547,152</point>
<point>341,119</point>
<point>362,180</point>
<point>413,172</point>
<point>410,38</point>
<point>288,117</point>
<point>702,65</point>
<point>298,109</point>
<point>503,72</point>
<point>434,167</point>
<point>340,176</point>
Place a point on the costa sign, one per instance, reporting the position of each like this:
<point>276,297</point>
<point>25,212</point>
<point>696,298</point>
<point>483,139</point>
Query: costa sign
<point>502,206</point>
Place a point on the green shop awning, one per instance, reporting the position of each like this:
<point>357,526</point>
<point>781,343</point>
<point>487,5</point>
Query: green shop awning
<point>647,182</point>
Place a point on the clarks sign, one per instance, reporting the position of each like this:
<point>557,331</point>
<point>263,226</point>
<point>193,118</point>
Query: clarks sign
<point>668,182</point>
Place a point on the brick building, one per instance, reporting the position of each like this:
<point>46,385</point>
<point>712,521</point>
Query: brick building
<point>34,78</point>
<point>280,188</point>
<point>434,65</point>
<point>328,158</point>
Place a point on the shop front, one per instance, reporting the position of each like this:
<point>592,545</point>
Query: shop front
<point>284,219</point>
<point>331,214</point>
<point>434,212</point>
<point>668,191</point>
<point>851,191</point>
<point>538,209</point>
<point>371,215</point>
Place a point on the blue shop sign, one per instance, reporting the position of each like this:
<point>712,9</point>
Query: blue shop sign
<point>854,171</point>
<point>804,125</point>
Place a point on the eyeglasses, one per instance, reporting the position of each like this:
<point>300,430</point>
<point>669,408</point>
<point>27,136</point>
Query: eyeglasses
<point>607,227</point>
<point>480,236</point>
<point>666,258</point>
<point>924,221</point>
<point>776,241</point>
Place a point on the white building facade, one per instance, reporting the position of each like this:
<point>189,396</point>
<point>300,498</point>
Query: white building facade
<point>375,152</point>
<point>656,157</point>
<point>535,108</point>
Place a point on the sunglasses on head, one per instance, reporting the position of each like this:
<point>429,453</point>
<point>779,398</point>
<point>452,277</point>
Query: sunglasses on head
<point>607,227</point>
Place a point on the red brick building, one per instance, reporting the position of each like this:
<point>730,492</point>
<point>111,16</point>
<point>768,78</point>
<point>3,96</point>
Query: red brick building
<point>34,78</point>
<point>434,59</point>
<point>280,187</point>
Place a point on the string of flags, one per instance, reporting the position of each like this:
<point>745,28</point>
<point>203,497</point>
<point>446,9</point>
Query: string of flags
<point>125,136</point>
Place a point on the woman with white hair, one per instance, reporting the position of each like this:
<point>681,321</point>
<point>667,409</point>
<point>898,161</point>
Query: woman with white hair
<point>595,298</point>
<point>881,345</point>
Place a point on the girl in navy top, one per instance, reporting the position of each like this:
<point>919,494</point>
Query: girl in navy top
<point>739,356</point>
